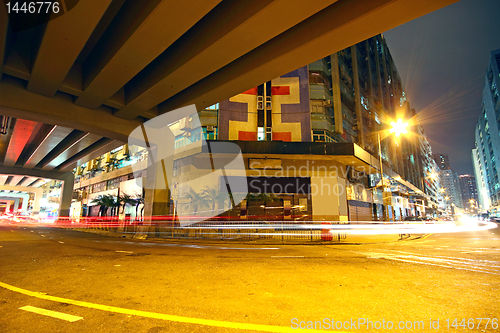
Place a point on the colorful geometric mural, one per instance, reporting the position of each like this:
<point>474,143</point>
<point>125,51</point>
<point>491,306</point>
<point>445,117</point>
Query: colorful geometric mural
<point>291,120</point>
<point>291,115</point>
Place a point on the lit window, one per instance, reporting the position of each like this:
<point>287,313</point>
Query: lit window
<point>260,134</point>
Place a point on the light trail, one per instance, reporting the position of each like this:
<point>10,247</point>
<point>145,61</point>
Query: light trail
<point>277,228</point>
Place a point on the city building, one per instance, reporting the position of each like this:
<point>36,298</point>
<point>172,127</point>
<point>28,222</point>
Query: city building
<point>442,160</point>
<point>469,193</point>
<point>347,97</point>
<point>452,195</point>
<point>320,127</point>
<point>487,140</point>
<point>430,172</point>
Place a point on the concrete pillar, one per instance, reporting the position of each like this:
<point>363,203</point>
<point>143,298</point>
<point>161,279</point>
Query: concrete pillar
<point>24,206</point>
<point>8,207</point>
<point>36,203</point>
<point>157,194</point>
<point>16,205</point>
<point>329,198</point>
<point>66,194</point>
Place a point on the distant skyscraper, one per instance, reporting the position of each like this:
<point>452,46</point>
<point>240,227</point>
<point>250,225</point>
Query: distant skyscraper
<point>451,185</point>
<point>469,190</point>
<point>487,145</point>
<point>442,161</point>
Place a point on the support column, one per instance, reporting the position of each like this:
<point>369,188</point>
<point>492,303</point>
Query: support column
<point>329,198</point>
<point>157,194</point>
<point>36,203</point>
<point>24,207</point>
<point>16,205</point>
<point>66,194</point>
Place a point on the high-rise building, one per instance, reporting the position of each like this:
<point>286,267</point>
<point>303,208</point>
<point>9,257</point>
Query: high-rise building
<point>430,171</point>
<point>346,97</point>
<point>452,194</point>
<point>309,137</point>
<point>469,192</point>
<point>442,161</point>
<point>487,143</point>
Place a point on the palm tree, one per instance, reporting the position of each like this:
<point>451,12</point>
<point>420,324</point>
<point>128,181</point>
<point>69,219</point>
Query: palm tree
<point>126,199</point>
<point>138,200</point>
<point>110,201</point>
<point>197,200</point>
<point>212,197</point>
<point>103,202</point>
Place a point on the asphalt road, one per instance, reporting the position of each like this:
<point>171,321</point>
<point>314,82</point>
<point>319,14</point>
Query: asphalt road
<point>123,285</point>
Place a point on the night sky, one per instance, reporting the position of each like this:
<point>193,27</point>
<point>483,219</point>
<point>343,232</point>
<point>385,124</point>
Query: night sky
<point>442,59</point>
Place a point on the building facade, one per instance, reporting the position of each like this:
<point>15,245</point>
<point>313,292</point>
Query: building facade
<point>442,160</point>
<point>310,142</point>
<point>347,97</point>
<point>430,171</point>
<point>487,140</point>
<point>469,193</point>
<point>452,194</point>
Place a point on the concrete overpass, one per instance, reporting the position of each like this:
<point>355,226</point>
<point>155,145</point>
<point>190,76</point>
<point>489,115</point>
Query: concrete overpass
<point>75,87</point>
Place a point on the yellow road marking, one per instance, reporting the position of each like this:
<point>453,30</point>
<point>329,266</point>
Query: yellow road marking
<point>124,251</point>
<point>54,314</point>
<point>287,256</point>
<point>155,315</point>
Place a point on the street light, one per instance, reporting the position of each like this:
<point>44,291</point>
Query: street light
<point>398,128</point>
<point>433,175</point>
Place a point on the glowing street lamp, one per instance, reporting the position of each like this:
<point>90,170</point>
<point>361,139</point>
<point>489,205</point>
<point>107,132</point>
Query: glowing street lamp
<point>433,175</point>
<point>398,128</point>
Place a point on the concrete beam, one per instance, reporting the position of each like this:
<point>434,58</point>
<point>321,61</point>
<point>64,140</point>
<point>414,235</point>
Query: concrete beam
<point>67,178</point>
<point>143,30</point>
<point>337,27</point>
<point>17,102</point>
<point>62,42</point>
<point>12,196</point>
<point>36,190</point>
<point>210,45</point>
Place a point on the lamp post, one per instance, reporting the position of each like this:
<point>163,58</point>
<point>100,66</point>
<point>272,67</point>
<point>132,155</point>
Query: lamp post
<point>397,128</point>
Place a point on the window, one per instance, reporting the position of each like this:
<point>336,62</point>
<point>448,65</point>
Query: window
<point>260,134</point>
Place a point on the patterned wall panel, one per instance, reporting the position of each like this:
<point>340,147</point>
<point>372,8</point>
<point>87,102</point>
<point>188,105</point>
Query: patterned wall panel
<point>291,120</point>
<point>291,115</point>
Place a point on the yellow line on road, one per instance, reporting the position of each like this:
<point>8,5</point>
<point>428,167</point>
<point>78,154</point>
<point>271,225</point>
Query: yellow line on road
<point>54,314</point>
<point>155,315</point>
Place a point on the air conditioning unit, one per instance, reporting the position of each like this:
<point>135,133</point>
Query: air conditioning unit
<point>260,103</point>
<point>210,128</point>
